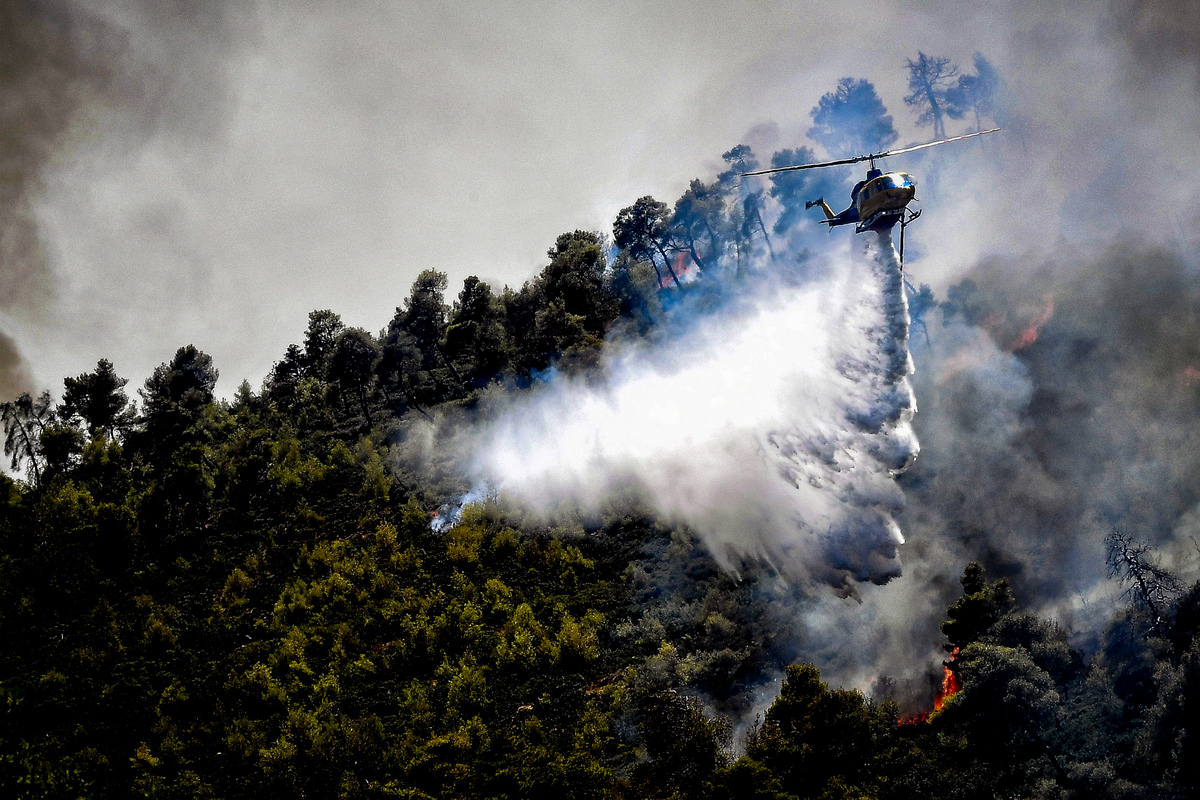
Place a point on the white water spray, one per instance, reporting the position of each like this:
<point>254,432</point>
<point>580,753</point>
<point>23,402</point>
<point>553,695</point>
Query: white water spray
<point>774,432</point>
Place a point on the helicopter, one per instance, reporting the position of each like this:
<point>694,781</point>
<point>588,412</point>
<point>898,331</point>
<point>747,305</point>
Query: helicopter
<point>881,200</point>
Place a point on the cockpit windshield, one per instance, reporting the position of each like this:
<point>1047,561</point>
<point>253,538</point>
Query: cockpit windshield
<point>896,180</point>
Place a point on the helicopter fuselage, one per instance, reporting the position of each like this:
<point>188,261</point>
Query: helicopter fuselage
<point>881,200</point>
<point>876,204</point>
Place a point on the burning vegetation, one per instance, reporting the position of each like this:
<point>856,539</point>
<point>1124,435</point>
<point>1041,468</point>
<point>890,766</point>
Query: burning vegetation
<point>950,683</point>
<point>948,688</point>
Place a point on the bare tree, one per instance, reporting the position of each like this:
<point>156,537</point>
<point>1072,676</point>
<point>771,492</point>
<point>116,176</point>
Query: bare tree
<point>24,420</point>
<point>928,79</point>
<point>1148,586</point>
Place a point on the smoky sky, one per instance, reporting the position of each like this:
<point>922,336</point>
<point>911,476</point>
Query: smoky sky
<point>209,173</point>
<point>74,82</point>
<point>43,74</point>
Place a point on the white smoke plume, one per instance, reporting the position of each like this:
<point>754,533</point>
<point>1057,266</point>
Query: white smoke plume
<point>774,429</point>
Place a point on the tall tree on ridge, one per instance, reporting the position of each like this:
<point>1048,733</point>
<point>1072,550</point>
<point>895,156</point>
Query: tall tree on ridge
<point>575,277</point>
<point>99,399</point>
<point>852,120</point>
<point>352,365</point>
<point>475,334</point>
<point>642,230</point>
<point>285,375</point>
<point>928,80</point>
<point>324,326</point>
<point>700,214</point>
<point>424,315</point>
<point>175,394</point>
<point>741,159</point>
<point>974,93</point>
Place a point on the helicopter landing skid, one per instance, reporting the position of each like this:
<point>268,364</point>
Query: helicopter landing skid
<point>883,221</point>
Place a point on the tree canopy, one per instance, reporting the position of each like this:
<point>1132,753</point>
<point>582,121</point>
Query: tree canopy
<point>852,120</point>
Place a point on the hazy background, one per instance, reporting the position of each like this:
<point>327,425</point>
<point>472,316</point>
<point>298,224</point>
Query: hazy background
<point>179,172</point>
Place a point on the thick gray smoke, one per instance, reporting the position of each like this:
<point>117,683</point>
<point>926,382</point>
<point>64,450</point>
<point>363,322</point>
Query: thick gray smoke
<point>1090,393</point>
<point>42,77</point>
<point>14,375</point>
<point>101,81</point>
<point>774,430</point>
<point>1058,402</point>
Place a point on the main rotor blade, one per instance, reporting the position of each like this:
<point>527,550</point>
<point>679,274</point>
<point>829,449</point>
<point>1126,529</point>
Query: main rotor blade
<point>931,144</point>
<point>853,160</point>
<point>871,157</point>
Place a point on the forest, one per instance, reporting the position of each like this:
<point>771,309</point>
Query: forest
<point>274,595</point>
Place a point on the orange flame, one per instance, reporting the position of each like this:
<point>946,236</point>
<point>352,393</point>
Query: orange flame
<point>1188,375</point>
<point>682,268</point>
<point>950,684</point>
<point>950,687</point>
<point>1030,334</point>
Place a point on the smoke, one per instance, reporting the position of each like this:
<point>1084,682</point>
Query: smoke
<point>1034,447</point>
<point>774,429</point>
<point>14,375</point>
<point>42,77</point>
<point>190,171</point>
<point>82,82</point>
<point>1096,424</point>
<point>1162,38</point>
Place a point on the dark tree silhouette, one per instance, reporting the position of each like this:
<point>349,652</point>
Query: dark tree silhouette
<point>424,316</point>
<point>25,420</point>
<point>852,119</point>
<point>1148,586</point>
<point>323,329</point>
<point>684,746</point>
<point>980,607</point>
<point>642,230</point>
<point>353,364</point>
<point>186,383</point>
<point>285,375</point>
<point>700,215</point>
<point>928,79</point>
<point>475,336</point>
<point>974,94</point>
<point>398,364</point>
<point>99,399</point>
<point>575,278</point>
